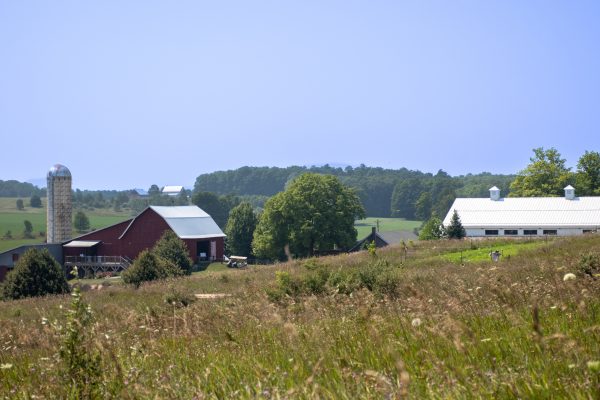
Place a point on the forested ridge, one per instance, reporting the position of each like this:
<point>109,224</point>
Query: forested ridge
<point>401,192</point>
<point>12,188</point>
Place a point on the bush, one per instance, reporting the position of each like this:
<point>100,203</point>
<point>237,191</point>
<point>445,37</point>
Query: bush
<point>179,299</point>
<point>589,264</point>
<point>149,267</point>
<point>173,249</point>
<point>36,273</point>
<point>35,201</point>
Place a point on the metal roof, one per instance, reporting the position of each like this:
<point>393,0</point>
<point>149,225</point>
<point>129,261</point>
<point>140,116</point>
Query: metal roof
<point>526,212</point>
<point>172,189</point>
<point>82,243</point>
<point>189,222</point>
<point>59,170</point>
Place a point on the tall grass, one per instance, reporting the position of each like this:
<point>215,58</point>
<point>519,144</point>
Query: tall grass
<point>430,329</point>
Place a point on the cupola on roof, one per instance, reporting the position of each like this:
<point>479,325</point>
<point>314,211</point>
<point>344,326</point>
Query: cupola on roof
<point>59,170</point>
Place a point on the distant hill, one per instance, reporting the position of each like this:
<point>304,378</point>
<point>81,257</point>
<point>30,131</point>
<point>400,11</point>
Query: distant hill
<point>401,192</point>
<point>14,188</point>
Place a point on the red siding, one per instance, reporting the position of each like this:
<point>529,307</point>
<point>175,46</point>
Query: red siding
<point>146,229</point>
<point>3,272</point>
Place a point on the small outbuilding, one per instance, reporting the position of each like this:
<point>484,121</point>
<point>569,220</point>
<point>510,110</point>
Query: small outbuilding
<point>527,216</point>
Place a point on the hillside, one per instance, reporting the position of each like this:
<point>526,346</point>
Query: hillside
<point>418,324</point>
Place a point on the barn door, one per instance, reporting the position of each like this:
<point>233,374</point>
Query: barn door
<point>213,249</point>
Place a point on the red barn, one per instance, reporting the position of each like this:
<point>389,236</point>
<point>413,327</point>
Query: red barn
<point>125,240</point>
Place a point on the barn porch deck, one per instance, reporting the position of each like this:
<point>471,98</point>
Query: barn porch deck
<point>95,264</point>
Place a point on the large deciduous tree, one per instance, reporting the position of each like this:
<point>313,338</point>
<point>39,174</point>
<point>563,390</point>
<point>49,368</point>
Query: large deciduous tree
<point>588,174</point>
<point>36,273</point>
<point>316,212</point>
<point>217,207</point>
<point>546,175</point>
<point>240,229</point>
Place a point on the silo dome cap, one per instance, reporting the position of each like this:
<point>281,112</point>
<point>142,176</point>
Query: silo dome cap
<point>59,170</point>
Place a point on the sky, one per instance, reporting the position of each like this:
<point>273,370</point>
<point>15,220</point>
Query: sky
<point>132,93</point>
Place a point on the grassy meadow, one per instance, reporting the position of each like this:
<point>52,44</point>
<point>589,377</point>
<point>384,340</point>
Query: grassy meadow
<point>364,226</point>
<point>344,327</point>
<point>12,220</point>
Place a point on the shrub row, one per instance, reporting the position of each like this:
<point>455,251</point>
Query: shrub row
<point>379,277</point>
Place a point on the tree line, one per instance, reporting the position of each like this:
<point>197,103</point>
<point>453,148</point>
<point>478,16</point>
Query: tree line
<point>12,188</point>
<point>383,192</point>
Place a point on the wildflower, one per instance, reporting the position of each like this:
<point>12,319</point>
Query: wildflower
<point>416,322</point>
<point>9,366</point>
<point>594,365</point>
<point>44,321</point>
<point>569,277</point>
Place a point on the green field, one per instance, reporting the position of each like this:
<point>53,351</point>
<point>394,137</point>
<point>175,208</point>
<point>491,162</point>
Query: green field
<point>350,327</point>
<point>364,226</point>
<point>480,250</point>
<point>13,220</point>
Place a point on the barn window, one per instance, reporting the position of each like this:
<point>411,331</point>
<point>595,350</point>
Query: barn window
<point>491,232</point>
<point>530,232</point>
<point>15,257</point>
<point>511,232</point>
<point>550,232</point>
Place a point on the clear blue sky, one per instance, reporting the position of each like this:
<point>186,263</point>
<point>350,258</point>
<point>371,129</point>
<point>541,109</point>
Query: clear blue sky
<point>130,93</point>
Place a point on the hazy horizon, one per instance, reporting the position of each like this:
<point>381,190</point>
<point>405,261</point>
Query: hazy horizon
<point>127,94</point>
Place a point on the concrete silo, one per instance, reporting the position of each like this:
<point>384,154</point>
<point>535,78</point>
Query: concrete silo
<point>60,204</point>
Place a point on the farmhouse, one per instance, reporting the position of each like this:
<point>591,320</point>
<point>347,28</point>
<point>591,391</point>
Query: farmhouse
<point>382,239</point>
<point>527,216</point>
<point>113,248</point>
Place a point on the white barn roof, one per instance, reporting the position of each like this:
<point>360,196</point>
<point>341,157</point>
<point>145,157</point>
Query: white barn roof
<point>172,190</point>
<point>523,212</point>
<point>189,222</point>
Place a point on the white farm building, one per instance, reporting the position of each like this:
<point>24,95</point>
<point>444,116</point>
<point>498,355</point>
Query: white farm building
<point>527,216</point>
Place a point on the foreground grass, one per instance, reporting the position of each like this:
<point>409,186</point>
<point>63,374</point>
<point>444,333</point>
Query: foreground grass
<point>512,329</point>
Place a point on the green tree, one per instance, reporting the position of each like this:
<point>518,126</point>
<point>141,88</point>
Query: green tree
<point>217,207</point>
<point>405,196</point>
<point>182,198</point>
<point>423,206</point>
<point>455,230</point>
<point>316,212</point>
<point>81,222</point>
<point>546,175</point>
<point>153,191</point>
<point>149,267</point>
<point>35,201</point>
<point>170,247</point>
<point>240,229</point>
<point>20,205</point>
<point>36,273</point>
<point>588,174</point>
<point>28,231</point>
<point>432,230</point>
